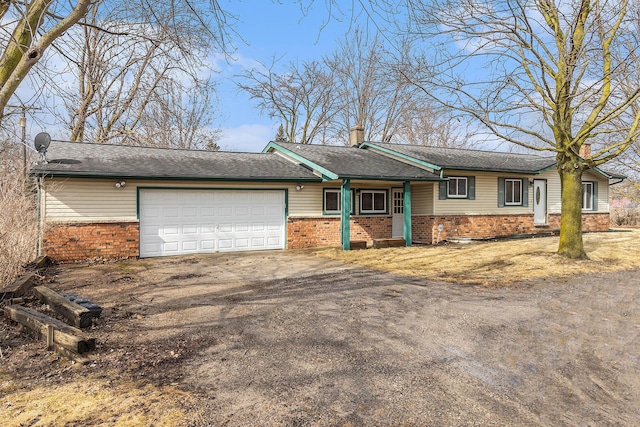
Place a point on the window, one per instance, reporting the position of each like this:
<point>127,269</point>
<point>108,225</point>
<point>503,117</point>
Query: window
<point>513,192</point>
<point>332,201</point>
<point>457,187</point>
<point>373,201</point>
<point>589,196</point>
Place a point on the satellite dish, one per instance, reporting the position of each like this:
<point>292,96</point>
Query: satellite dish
<point>41,142</point>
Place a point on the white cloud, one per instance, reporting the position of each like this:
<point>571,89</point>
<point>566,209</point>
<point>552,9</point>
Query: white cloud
<point>249,138</point>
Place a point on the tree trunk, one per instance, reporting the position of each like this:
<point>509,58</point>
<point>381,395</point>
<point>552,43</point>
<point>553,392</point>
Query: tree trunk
<point>571,245</point>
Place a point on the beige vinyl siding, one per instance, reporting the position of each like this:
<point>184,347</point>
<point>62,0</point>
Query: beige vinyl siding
<point>554,198</point>
<point>486,201</point>
<point>92,200</point>
<point>82,200</point>
<point>307,202</point>
<point>422,198</point>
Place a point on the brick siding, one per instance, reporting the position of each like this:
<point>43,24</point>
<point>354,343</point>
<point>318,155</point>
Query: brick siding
<point>315,232</point>
<point>71,242</point>
<point>425,227</point>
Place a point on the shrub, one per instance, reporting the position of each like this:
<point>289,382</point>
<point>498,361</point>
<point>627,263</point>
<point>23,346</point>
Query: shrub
<point>18,218</point>
<point>625,217</point>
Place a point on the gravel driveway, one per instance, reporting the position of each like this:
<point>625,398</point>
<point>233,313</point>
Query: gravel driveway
<point>288,338</point>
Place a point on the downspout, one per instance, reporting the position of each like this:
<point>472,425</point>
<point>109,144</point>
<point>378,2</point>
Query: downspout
<point>38,217</point>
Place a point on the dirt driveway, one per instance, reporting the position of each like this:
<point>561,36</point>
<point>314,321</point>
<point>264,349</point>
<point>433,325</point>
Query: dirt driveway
<point>288,338</point>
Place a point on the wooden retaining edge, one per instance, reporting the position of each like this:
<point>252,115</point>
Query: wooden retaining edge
<point>19,287</point>
<point>68,337</point>
<point>75,314</point>
<point>388,243</point>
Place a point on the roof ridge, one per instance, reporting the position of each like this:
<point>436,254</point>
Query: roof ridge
<point>386,144</point>
<point>148,147</point>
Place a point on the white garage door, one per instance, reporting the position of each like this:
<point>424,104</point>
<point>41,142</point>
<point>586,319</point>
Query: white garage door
<point>176,222</point>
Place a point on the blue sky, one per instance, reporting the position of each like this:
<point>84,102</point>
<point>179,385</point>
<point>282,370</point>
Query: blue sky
<point>269,29</point>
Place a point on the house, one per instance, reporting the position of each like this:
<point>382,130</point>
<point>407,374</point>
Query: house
<point>122,201</point>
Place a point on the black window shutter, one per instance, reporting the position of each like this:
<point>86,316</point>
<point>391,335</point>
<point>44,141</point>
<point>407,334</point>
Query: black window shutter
<point>501,192</point>
<point>442,195</point>
<point>595,196</point>
<point>471,190</point>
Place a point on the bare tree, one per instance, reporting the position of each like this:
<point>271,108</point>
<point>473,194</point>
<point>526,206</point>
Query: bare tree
<point>179,117</point>
<point>29,28</point>
<point>168,28</point>
<point>373,94</point>
<point>301,97</point>
<point>124,65</point>
<point>546,75</point>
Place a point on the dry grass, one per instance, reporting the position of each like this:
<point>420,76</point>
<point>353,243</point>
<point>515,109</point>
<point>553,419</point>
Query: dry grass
<point>500,262</point>
<point>18,225</point>
<point>95,402</point>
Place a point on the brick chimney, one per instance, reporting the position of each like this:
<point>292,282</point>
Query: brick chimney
<point>585,150</point>
<point>356,135</point>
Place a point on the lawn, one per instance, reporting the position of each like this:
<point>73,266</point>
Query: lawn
<point>500,262</point>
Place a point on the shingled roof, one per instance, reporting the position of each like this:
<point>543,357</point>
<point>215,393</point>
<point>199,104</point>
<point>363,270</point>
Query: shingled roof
<point>475,160</point>
<point>353,163</point>
<point>103,160</point>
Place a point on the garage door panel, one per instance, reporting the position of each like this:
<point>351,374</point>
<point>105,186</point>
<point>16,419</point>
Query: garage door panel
<point>191,221</point>
<point>241,227</point>
<point>189,211</point>
<point>169,230</point>
<point>190,229</point>
<point>190,245</point>
<point>170,212</point>
<point>258,242</point>
<point>207,245</point>
<point>241,211</point>
<point>273,241</point>
<point>225,244</point>
<point>258,226</point>
<point>207,229</point>
<point>170,247</point>
<point>206,212</point>
<point>241,243</point>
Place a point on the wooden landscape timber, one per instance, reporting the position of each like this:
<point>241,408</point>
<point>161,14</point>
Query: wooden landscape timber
<point>19,287</point>
<point>42,261</point>
<point>388,243</point>
<point>75,314</point>
<point>67,337</point>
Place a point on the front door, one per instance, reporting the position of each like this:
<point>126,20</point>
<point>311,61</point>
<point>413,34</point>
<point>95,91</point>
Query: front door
<point>397,219</point>
<point>539,201</point>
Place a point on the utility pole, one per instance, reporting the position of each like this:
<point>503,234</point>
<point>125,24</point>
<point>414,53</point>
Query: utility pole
<point>23,125</point>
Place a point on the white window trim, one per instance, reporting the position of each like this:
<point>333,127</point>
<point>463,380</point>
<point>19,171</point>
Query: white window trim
<point>588,184</point>
<point>466,187</point>
<point>519,181</point>
<point>324,201</point>
<point>374,211</point>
